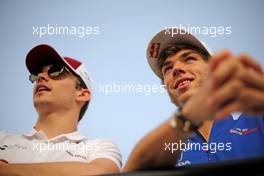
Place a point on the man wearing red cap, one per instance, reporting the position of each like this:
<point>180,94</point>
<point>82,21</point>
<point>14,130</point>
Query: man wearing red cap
<point>220,99</point>
<point>55,147</point>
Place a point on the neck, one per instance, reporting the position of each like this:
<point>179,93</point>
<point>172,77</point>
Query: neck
<point>205,129</point>
<point>56,123</point>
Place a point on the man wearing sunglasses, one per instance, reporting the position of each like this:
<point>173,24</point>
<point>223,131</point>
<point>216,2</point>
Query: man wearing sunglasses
<point>220,99</point>
<point>55,147</point>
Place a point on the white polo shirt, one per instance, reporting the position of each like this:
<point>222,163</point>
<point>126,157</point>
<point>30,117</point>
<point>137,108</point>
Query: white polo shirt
<point>34,147</point>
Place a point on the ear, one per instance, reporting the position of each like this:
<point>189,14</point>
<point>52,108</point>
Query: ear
<point>83,95</point>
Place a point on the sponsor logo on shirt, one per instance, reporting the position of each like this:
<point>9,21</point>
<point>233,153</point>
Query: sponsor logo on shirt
<point>243,131</point>
<point>180,162</point>
<point>75,155</point>
<point>183,163</point>
<point>4,147</point>
<point>12,147</point>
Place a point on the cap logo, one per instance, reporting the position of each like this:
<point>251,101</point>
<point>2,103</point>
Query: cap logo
<point>154,50</point>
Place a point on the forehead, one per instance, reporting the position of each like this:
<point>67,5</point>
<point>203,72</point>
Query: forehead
<point>181,55</point>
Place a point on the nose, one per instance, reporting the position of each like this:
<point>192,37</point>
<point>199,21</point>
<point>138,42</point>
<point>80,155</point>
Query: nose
<point>43,76</point>
<point>177,70</point>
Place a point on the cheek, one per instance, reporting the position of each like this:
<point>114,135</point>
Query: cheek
<point>168,81</point>
<point>202,71</point>
<point>66,92</point>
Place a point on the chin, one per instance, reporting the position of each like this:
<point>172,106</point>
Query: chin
<point>179,99</point>
<point>41,102</point>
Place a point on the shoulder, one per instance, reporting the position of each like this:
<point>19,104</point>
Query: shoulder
<point>103,148</point>
<point>99,142</point>
<point>248,117</point>
<point>5,135</point>
<point>251,121</point>
<point>101,145</point>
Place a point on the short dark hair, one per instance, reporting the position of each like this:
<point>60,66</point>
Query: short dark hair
<point>175,48</point>
<point>81,84</point>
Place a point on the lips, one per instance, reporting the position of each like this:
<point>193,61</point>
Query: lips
<point>41,88</point>
<point>182,83</point>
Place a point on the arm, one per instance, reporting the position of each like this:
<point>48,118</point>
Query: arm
<point>151,151</point>
<point>96,167</point>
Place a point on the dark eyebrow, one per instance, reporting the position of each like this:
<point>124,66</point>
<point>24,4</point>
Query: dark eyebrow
<point>166,63</point>
<point>186,54</point>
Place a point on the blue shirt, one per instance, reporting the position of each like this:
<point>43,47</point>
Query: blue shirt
<point>231,138</point>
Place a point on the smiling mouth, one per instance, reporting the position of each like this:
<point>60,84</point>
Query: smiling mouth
<point>183,84</point>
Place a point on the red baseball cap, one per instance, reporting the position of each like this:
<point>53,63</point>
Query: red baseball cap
<point>44,54</point>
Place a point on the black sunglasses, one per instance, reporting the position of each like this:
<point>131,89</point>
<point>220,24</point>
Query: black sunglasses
<point>54,71</point>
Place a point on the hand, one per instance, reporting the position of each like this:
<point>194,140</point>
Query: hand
<point>3,162</point>
<point>238,85</point>
<point>195,108</point>
<point>3,169</point>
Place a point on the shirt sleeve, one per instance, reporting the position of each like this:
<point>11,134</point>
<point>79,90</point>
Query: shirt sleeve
<point>102,148</point>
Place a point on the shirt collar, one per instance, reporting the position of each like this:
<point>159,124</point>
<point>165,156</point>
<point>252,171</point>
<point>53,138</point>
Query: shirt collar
<point>75,136</point>
<point>34,134</point>
<point>236,115</point>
